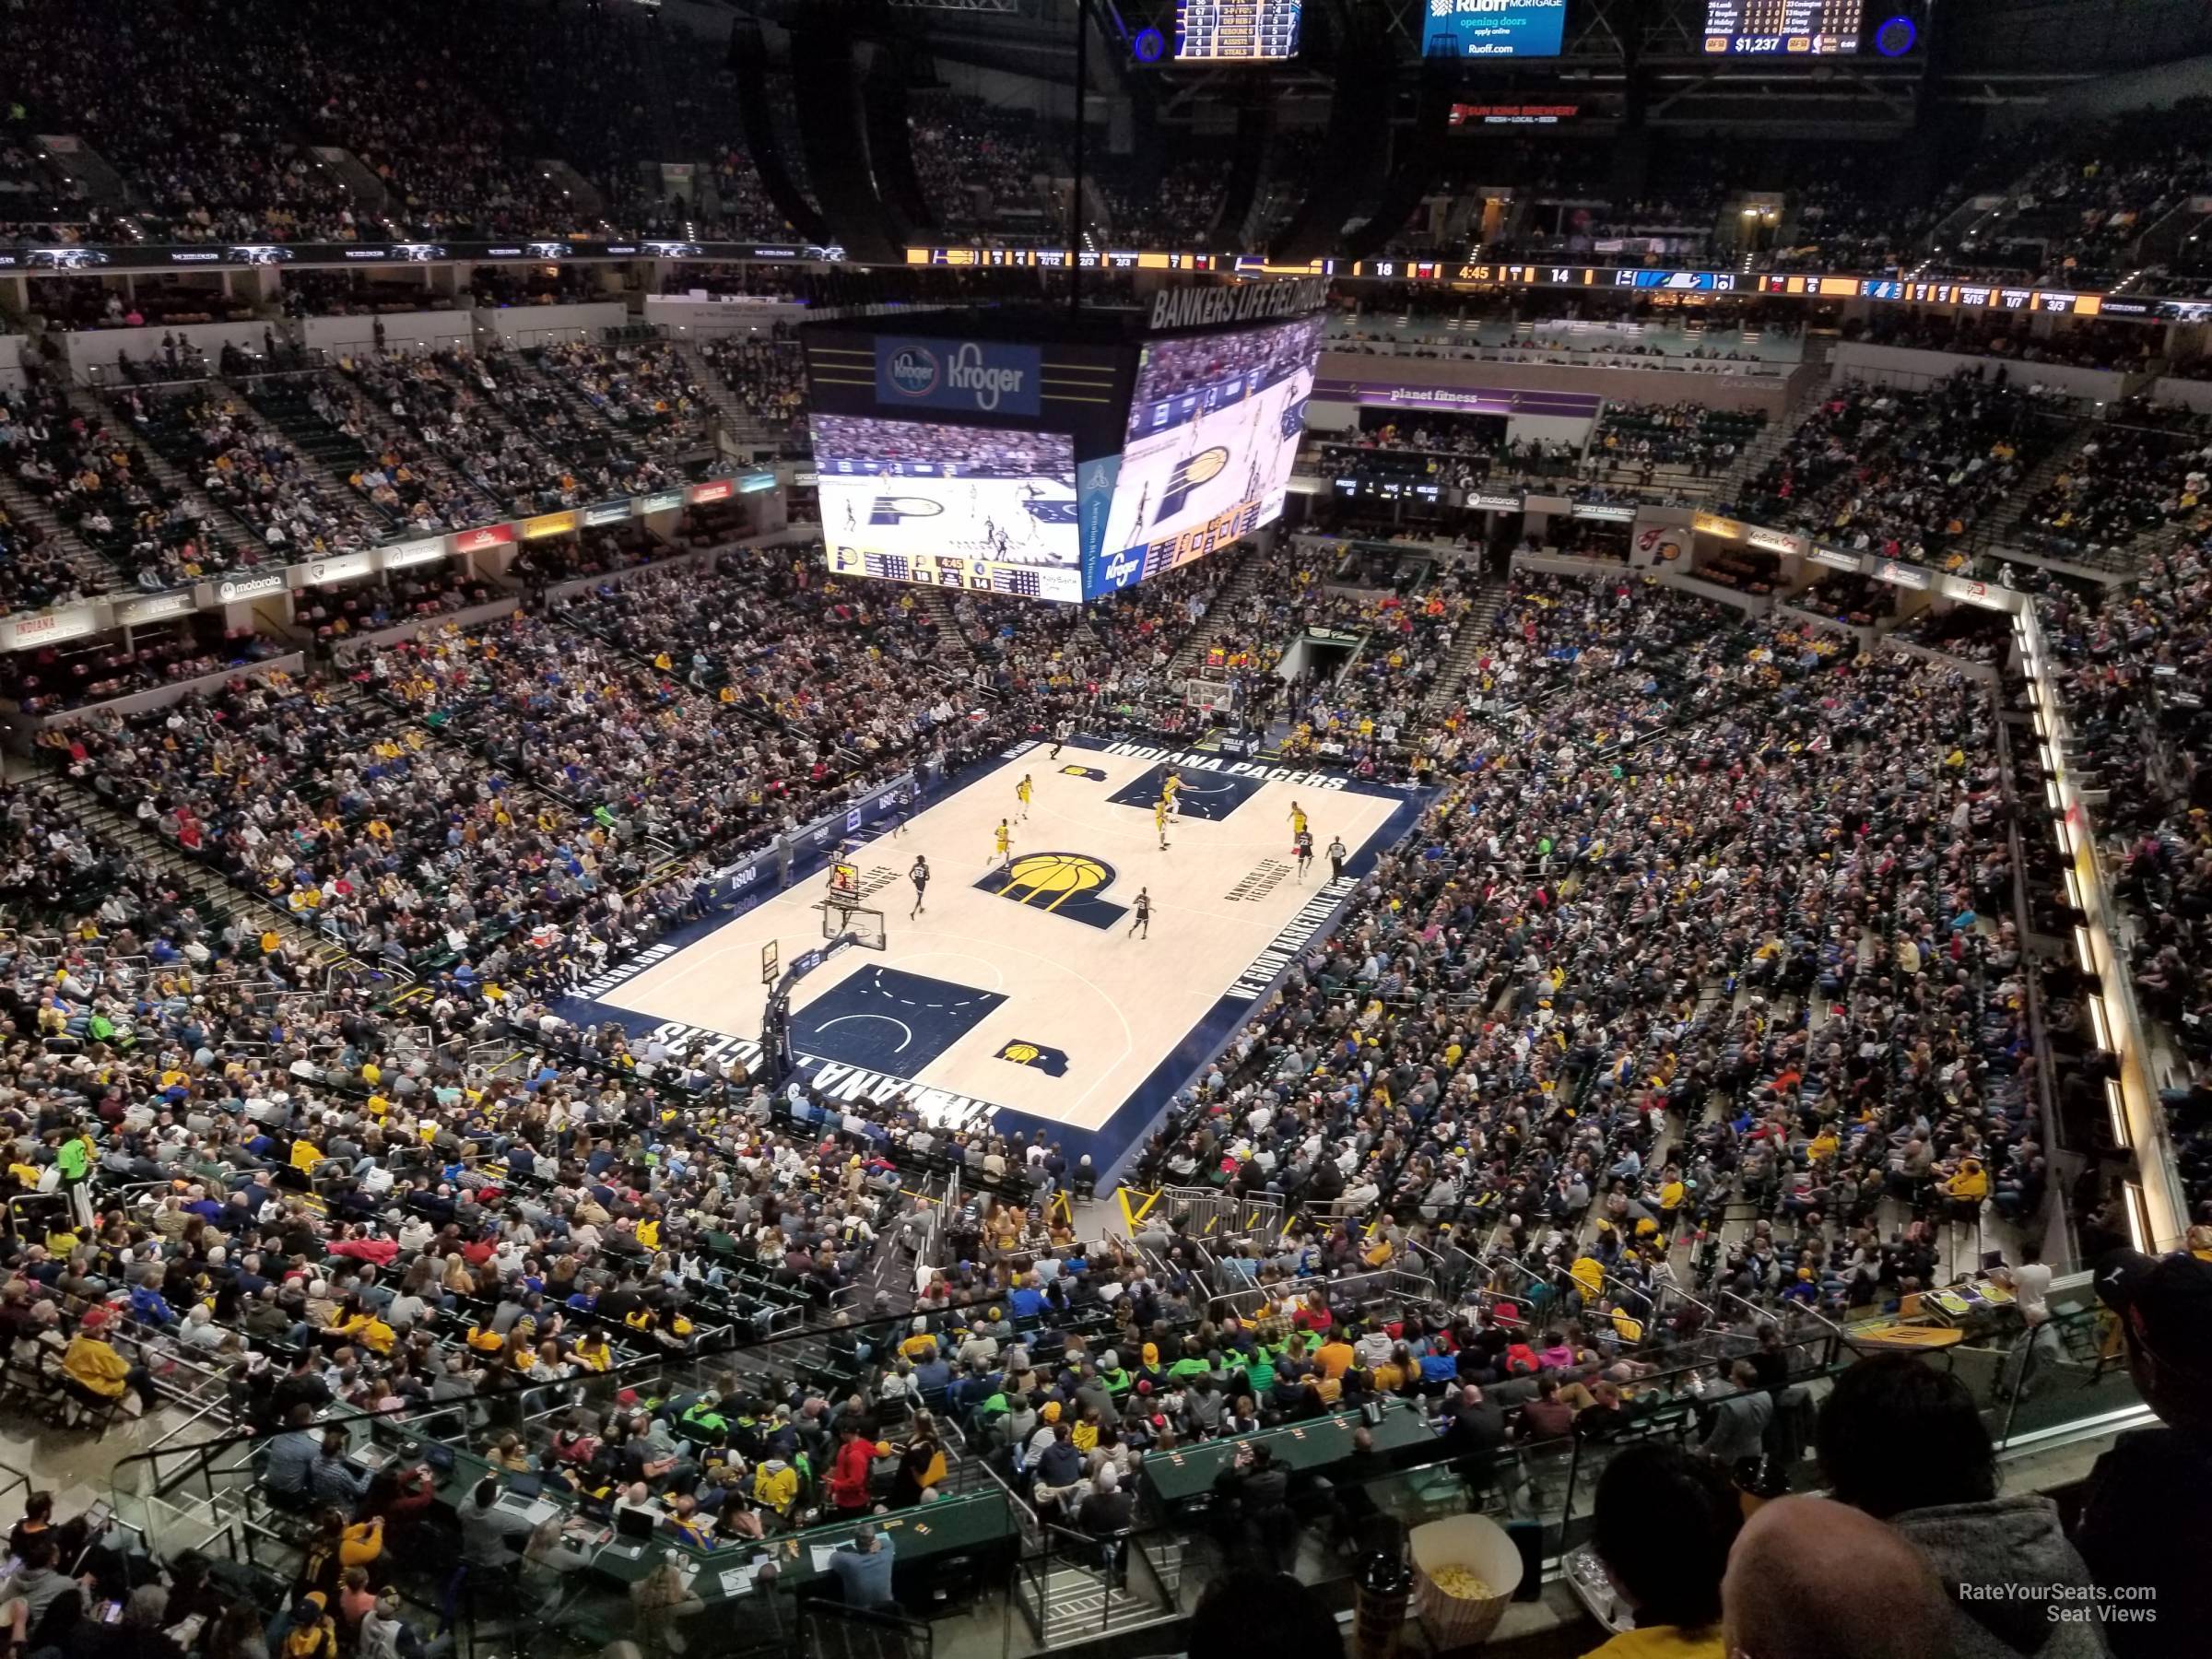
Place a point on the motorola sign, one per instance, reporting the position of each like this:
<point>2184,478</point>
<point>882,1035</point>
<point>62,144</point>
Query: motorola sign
<point>249,587</point>
<point>974,377</point>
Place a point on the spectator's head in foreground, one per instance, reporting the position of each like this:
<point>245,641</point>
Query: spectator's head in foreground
<point>1269,1613</point>
<point>1664,1521</point>
<point>1897,1434</point>
<point>2165,1309</point>
<point>1801,1585</point>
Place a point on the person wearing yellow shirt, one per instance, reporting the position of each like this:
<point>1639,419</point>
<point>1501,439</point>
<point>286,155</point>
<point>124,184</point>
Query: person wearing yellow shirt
<point>775,1485</point>
<point>94,1375</point>
<point>306,1155</point>
<point>1966,1188</point>
<point>591,1353</point>
<point>1664,1522</point>
<point>366,1328</point>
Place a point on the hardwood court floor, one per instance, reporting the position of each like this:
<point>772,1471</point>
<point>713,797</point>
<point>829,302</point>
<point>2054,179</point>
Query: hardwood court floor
<point>1023,988</point>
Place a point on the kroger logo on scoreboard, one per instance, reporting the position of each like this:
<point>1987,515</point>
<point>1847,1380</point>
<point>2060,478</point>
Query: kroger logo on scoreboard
<point>974,377</point>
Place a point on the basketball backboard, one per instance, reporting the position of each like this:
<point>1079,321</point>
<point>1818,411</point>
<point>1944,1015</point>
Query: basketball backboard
<point>866,925</point>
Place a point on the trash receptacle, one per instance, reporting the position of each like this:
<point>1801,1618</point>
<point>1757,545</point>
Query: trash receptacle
<point>1466,1571</point>
<point>1384,1586</point>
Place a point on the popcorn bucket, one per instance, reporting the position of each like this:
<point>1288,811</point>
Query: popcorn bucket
<point>1465,1572</point>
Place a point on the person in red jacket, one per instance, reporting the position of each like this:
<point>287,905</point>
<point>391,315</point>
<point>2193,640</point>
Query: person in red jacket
<point>849,1471</point>
<point>364,1249</point>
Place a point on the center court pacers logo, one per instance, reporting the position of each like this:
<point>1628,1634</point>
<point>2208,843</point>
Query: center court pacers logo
<point>1062,884</point>
<point>1052,1062</point>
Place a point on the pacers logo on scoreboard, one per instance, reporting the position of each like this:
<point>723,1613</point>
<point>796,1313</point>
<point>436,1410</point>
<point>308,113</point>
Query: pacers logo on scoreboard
<point>1061,884</point>
<point>1052,1062</point>
<point>1188,477</point>
<point>897,510</point>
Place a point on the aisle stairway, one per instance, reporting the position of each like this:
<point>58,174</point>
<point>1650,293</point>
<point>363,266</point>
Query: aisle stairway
<point>1474,632</point>
<point>1808,385</point>
<point>1228,603</point>
<point>97,574</point>
<point>221,528</point>
<point>744,428</point>
<point>215,896</point>
<point>1067,1602</point>
<point>954,653</point>
<point>282,400</point>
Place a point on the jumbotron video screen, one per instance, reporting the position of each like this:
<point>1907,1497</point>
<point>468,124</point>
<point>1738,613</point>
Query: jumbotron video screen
<point>950,506</point>
<point>1214,429</point>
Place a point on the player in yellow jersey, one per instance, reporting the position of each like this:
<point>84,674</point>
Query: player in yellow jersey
<point>1003,843</point>
<point>1297,822</point>
<point>1022,790</point>
<point>1169,787</point>
<point>1160,821</point>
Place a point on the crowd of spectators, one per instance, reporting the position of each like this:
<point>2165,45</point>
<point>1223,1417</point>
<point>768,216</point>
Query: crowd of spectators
<point>1174,207</point>
<point>1644,436</point>
<point>94,478</point>
<point>642,389</point>
<point>510,430</point>
<point>2135,658</point>
<point>2138,470</point>
<point>768,375</point>
<point>1532,983</point>
<point>34,571</point>
<point>2092,190</point>
<point>976,161</point>
<point>250,472</point>
<point>395,467</point>
<point>54,678</point>
<point>1907,473</point>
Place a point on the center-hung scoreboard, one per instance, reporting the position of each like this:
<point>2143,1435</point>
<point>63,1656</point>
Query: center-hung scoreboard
<point>1043,456</point>
<point>1238,30</point>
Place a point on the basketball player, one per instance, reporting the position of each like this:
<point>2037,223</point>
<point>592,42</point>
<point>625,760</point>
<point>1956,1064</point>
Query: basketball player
<point>1298,821</point>
<point>1160,821</point>
<point>1169,785</point>
<point>1003,843</point>
<point>919,876</point>
<point>1305,854</point>
<point>902,808</point>
<point>1251,444</point>
<point>1143,925</point>
<point>1022,792</point>
<point>1060,734</point>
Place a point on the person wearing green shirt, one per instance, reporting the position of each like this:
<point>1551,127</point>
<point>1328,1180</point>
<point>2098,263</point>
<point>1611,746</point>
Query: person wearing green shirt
<point>703,1418</point>
<point>74,1157</point>
<point>1259,1370</point>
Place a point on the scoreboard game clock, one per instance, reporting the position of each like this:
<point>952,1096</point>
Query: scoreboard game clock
<point>1237,31</point>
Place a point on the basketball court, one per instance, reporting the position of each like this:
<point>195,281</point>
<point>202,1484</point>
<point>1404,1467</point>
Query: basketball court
<point>1020,995</point>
